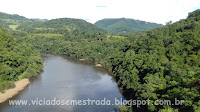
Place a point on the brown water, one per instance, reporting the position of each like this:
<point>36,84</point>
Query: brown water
<point>67,79</point>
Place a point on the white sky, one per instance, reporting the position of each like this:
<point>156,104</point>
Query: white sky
<point>159,11</point>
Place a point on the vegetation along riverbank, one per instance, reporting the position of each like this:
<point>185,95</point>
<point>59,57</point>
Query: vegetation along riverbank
<point>159,64</point>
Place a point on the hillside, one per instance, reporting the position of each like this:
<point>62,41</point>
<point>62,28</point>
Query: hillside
<point>17,60</point>
<point>164,64</point>
<point>123,25</point>
<point>12,21</point>
<point>159,64</point>
<point>61,25</point>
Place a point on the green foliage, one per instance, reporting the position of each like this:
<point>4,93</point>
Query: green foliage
<point>166,61</point>
<point>16,58</point>
<point>168,109</point>
<point>60,26</point>
<point>123,25</point>
<point>11,22</point>
<point>160,64</point>
<point>4,85</point>
<point>80,45</point>
<point>124,108</point>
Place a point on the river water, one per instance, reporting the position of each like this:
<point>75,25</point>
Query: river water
<point>68,81</point>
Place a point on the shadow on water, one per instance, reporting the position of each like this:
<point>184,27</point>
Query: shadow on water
<point>87,63</point>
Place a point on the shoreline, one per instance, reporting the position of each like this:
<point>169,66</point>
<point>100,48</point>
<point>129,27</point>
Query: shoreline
<point>19,86</point>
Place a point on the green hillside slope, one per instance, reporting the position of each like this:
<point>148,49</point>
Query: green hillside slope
<point>163,65</point>
<point>123,25</point>
<point>59,25</point>
<point>17,61</point>
<point>12,21</point>
<point>160,64</point>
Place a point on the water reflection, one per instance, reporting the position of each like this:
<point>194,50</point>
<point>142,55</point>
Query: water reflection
<point>67,79</point>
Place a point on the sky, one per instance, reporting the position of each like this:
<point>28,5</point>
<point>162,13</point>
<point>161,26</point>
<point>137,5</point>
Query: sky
<point>158,11</point>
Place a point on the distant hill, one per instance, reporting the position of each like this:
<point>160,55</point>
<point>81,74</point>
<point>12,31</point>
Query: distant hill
<point>12,21</point>
<point>123,25</point>
<point>61,24</point>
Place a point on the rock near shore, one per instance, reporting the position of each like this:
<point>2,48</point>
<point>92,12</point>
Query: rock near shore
<point>99,65</point>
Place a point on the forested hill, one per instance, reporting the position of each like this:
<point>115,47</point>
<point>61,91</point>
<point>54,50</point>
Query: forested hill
<point>123,25</point>
<point>11,21</point>
<point>62,24</point>
<point>164,64</point>
<point>160,64</point>
<point>10,16</point>
<point>17,60</point>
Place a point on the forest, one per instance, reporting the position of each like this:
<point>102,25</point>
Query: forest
<point>11,22</point>
<point>163,63</point>
<point>17,60</point>
<point>125,25</point>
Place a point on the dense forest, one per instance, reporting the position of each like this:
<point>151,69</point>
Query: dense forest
<point>61,25</point>
<point>123,25</point>
<point>17,60</point>
<point>163,63</point>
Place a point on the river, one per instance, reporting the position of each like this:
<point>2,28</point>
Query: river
<point>66,79</point>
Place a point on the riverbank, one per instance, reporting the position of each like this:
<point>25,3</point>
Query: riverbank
<point>19,86</point>
<point>68,75</point>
